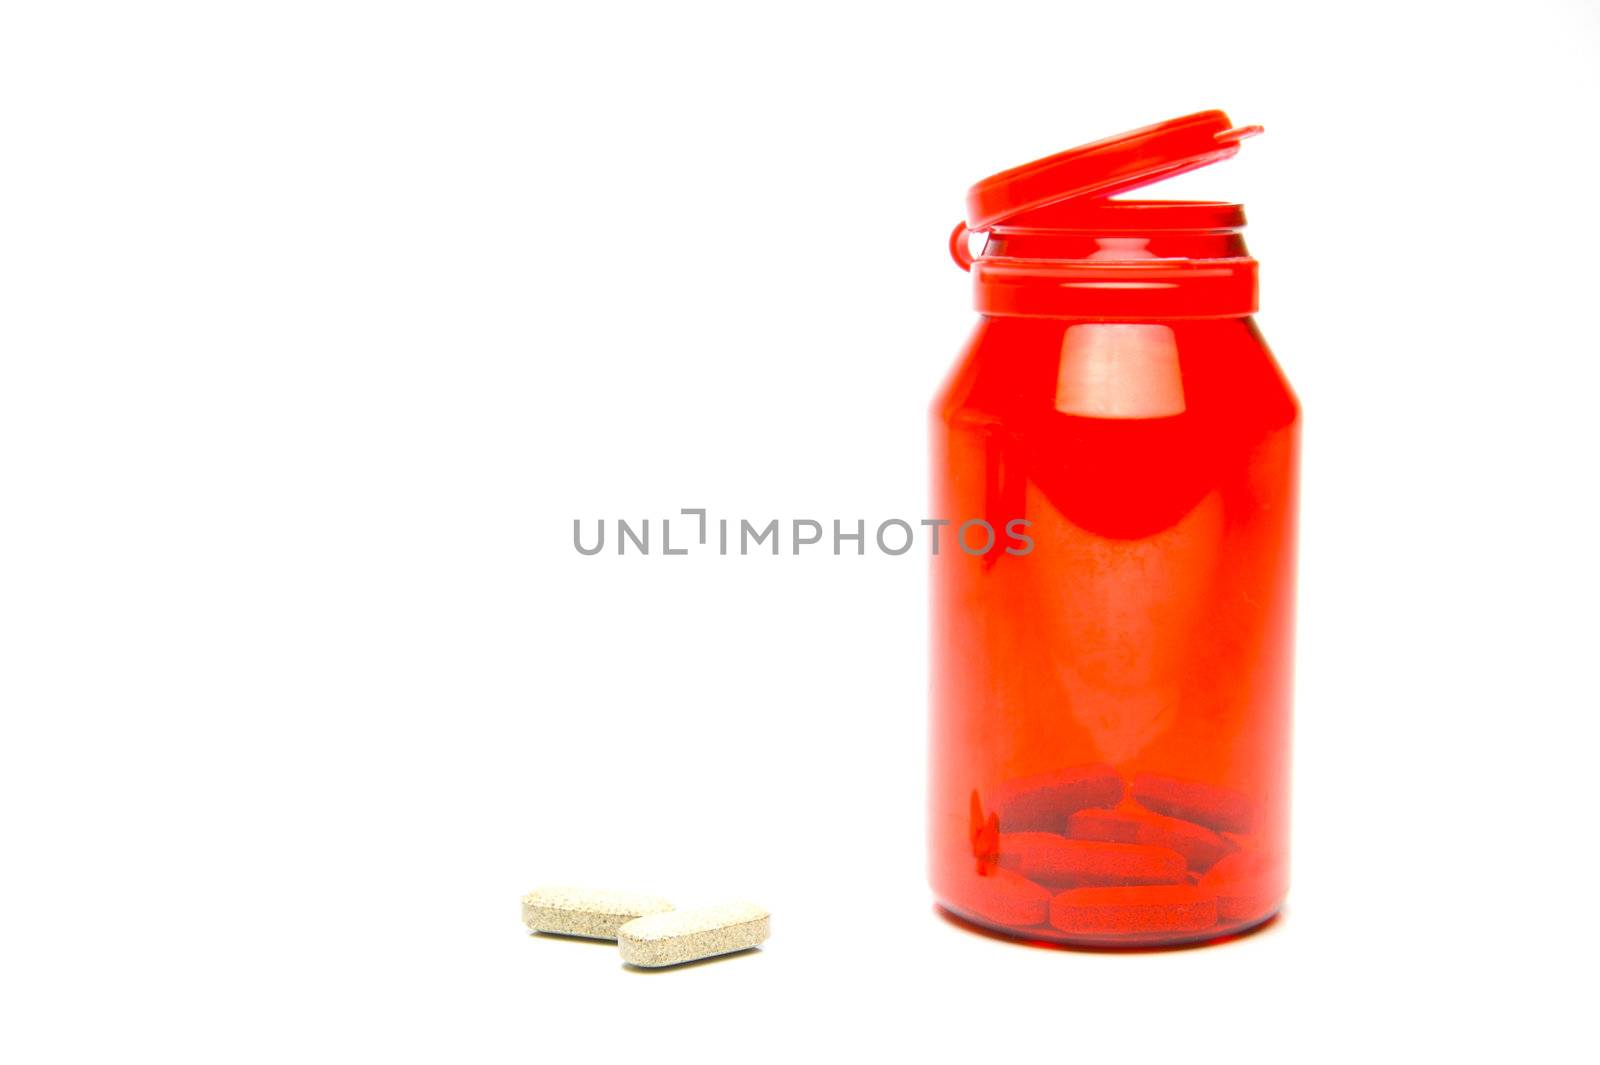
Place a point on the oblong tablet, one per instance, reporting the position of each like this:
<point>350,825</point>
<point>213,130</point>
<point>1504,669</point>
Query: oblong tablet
<point>1058,862</point>
<point>576,911</point>
<point>1243,887</point>
<point>1200,846</point>
<point>1210,805</point>
<point>1001,897</point>
<point>1012,846</point>
<point>1133,910</point>
<point>689,935</point>
<point>1044,802</point>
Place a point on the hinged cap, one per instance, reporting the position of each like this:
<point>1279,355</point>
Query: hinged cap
<point>1126,161</point>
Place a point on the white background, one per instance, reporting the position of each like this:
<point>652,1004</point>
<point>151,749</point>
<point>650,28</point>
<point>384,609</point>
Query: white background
<point>323,321</point>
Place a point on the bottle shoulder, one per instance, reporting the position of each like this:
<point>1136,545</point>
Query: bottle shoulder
<point>1018,369</point>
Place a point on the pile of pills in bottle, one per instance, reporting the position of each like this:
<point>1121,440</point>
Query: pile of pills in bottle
<point>649,932</point>
<point>1080,854</point>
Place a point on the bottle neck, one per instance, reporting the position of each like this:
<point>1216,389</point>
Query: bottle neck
<point>1122,260</point>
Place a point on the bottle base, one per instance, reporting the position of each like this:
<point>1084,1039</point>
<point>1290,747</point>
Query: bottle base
<point>1048,935</point>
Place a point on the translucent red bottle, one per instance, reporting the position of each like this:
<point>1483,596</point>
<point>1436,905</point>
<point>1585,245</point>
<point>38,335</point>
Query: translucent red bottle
<point>1109,749</point>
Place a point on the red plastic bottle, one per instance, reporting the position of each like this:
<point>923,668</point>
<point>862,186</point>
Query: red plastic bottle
<point>1112,680</point>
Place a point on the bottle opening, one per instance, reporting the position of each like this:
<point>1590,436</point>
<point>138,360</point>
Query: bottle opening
<point>1122,230</point>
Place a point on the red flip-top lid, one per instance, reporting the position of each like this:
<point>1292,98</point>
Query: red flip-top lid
<point>1113,165</point>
